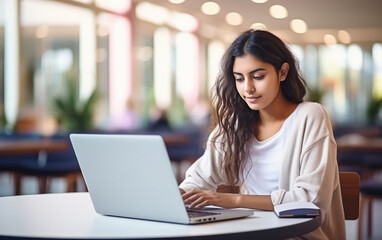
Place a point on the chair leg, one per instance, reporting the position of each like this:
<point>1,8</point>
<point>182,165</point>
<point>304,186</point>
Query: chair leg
<point>42,184</point>
<point>17,183</point>
<point>365,214</point>
<point>360,218</point>
<point>71,182</point>
<point>370,217</point>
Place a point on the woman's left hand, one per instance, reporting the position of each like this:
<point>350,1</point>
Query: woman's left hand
<point>201,198</point>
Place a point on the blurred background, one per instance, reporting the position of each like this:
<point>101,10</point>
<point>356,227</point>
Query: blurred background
<point>147,66</point>
<point>146,58</point>
<point>128,66</point>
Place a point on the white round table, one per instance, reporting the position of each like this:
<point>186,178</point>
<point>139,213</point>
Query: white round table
<point>71,216</point>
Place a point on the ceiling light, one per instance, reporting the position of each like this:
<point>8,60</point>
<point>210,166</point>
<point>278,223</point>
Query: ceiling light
<point>210,8</point>
<point>183,22</point>
<point>176,1</point>
<point>330,40</point>
<point>234,18</point>
<point>298,26</point>
<point>259,26</point>
<point>152,13</point>
<point>259,1</point>
<point>278,11</point>
<point>344,36</point>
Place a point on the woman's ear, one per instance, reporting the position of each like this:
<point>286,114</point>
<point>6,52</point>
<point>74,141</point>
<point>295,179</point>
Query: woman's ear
<point>283,73</point>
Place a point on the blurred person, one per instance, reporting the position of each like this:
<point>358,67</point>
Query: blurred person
<point>128,120</point>
<point>158,120</point>
<point>267,140</point>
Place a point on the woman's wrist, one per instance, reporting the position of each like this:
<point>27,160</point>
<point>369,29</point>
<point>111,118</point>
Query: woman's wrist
<point>237,202</point>
<point>262,202</point>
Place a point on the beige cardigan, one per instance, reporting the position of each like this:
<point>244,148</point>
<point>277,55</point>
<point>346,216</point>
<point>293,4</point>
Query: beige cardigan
<point>309,170</point>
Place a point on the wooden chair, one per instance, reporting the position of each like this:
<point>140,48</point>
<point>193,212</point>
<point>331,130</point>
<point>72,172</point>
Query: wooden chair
<point>350,188</point>
<point>62,164</point>
<point>9,162</point>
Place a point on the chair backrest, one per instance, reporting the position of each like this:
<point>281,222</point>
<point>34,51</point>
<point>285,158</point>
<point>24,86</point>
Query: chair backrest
<point>350,187</point>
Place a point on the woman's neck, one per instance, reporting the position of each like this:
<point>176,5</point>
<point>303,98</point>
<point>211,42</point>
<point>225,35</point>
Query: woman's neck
<point>273,117</point>
<point>277,111</point>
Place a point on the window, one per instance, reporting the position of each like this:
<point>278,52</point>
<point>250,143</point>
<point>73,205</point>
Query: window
<point>215,53</point>
<point>377,63</point>
<point>344,73</point>
<point>2,24</point>
<point>55,48</point>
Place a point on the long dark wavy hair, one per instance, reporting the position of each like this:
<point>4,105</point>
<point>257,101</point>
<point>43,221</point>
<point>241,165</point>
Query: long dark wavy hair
<point>235,120</point>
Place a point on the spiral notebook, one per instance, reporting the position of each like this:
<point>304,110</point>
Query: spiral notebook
<point>297,209</point>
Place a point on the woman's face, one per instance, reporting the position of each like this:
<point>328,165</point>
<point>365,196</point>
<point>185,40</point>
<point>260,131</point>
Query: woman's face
<point>257,82</point>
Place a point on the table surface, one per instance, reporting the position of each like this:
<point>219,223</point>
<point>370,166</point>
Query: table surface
<point>71,215</point>
<point>14,147</point>
<point>359,143</point>
<point>27,146</point>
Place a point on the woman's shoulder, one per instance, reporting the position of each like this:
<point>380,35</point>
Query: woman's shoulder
<point>312,110</point>
<point>313,116</point>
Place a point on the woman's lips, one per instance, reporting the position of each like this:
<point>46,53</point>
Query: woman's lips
<point>252,99</point>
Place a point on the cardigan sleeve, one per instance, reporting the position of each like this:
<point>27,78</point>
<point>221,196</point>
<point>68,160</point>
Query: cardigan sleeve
<point>316,181</point>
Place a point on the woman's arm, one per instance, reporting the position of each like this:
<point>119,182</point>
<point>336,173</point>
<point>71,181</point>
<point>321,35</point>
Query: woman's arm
<point>201,198</point>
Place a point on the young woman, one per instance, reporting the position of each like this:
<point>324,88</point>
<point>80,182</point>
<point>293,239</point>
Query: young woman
<point>268,141</point>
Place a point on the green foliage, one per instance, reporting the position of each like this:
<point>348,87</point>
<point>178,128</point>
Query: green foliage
<point>177,114</point>
<point>3,119</point>
<point>315,94</point>
<point>73,114</point>
<point>372,110</point>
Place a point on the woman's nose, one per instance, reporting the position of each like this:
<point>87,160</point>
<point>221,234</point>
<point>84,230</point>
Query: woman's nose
<point>249,87</point>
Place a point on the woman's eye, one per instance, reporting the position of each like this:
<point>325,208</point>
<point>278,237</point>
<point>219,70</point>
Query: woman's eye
<point>258,77</point>
<point>239,79</point>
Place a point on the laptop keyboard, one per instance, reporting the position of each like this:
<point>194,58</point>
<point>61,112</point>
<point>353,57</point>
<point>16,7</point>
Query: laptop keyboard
<point>200,213</point>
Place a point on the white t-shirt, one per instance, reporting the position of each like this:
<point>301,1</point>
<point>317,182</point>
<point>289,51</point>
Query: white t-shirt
<point>262,169</point>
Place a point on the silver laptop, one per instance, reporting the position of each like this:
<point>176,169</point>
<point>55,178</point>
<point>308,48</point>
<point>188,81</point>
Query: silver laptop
<point>131,176</point>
